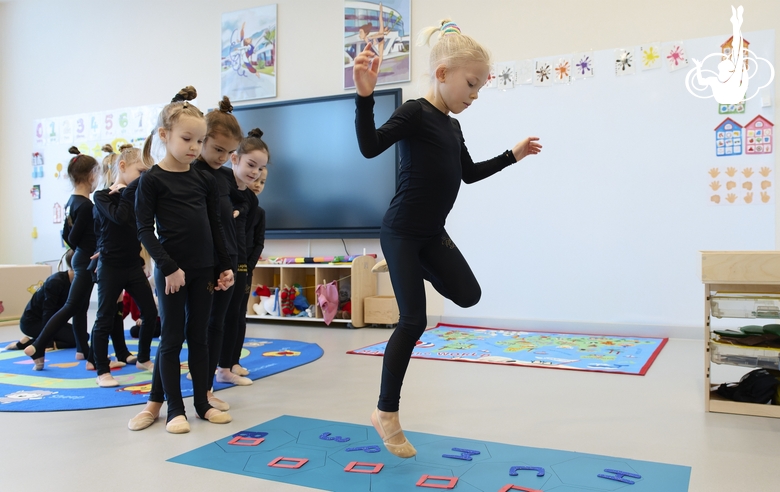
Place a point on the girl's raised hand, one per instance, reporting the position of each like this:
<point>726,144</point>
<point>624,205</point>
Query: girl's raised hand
<point>174,282</point>
<point>529,146</point>
<point>365,71</point>
<point>225,280</point>
<point>116,188</point>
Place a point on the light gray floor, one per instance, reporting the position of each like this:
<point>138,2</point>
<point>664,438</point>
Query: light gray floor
<point>658,417</point>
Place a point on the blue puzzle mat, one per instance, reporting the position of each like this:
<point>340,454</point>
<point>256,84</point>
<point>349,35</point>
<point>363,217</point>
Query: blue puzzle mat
<point>598,353</point>
<point>344,457</point>
<point>65,384</point>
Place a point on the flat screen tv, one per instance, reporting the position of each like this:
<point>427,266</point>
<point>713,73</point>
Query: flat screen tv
<point>319,184</point>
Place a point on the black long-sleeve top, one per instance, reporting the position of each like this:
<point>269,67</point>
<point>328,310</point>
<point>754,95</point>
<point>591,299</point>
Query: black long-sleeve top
<point>115,227</point>
<point>255,236</point>
<point>434,160</point>
<point>49,298</point>
<point>247,206</point>
<point>186,208</point>
<point>78,211</point>
<point>225,182</point>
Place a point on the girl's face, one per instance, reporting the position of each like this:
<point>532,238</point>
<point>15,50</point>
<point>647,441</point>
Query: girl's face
<point>458,86</point>
<point>130,171</point>
<point>247,167</point>
<point>217,149</point>
<point>184,141</point>
<point>258,185</point>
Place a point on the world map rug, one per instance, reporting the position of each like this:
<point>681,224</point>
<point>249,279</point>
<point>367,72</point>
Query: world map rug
<point>66,384</point>
<point>344,457</point>
<point>600,353</point>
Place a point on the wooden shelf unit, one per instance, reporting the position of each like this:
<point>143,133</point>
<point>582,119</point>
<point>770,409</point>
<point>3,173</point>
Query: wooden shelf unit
<point>308,275</point>
<point>746,272</point>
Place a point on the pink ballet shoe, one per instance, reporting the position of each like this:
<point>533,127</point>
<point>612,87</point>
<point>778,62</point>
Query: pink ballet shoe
<point>402,450</point>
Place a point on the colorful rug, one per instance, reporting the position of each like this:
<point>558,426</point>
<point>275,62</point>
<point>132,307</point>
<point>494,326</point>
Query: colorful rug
<point>622,355</point>
<point>345,457</point>
<point>65,384</point>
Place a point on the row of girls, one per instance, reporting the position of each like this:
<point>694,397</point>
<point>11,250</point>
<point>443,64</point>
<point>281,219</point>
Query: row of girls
<point>209,227</point>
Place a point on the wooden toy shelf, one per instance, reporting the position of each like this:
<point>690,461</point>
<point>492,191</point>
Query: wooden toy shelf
<point>308,275</point>
<point>751,273</point>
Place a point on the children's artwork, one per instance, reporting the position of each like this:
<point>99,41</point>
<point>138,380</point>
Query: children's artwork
<point>624,62</point>
<point>738,108</point>
<point>505,75</point>
<point>624,355</point>
<point>57,214</point>
<point>583,65</point>
<point>491,82</point>
<point>249,53</point>
<point>37,163</point>
<point>728,138</point>
<point>387,26</point>
<point>35,191</point>
<point>39,137</point>
<point>562,71</point>
<point>675,56</point>
<point>524,73</point>
<point>740,185</point>
<point>758,138</point>
<point>347,457</point>
<point>651,56</point>
<point>543,74</point>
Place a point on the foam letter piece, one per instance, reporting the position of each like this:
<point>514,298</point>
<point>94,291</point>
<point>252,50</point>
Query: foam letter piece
<point>618,476</point>
<point>252,434</point>
<point>367,449</point>
<point>300,462</point>
<point>539,470</point>
<point>351,467</point>
<point>325,436</point>
<point>245,441</point>
<point>465,454</point>
<point>451,485</point>
<point>508,487</point>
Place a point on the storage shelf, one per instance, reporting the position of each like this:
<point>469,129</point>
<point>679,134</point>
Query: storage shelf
<point>719,404</point>
<point>294,318</point>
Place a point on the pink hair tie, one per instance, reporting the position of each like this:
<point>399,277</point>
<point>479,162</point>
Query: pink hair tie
<point>449,28</point>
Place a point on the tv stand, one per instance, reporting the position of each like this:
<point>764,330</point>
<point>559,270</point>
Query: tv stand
<point>308,275</point>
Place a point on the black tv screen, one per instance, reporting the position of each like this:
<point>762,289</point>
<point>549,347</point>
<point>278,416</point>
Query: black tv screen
<point>319,184</point>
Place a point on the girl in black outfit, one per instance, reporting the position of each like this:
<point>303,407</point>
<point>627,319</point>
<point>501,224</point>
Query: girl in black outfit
<point>434,160</point>
<point>78,232</point>
<point>249,162</point>
<point>44,303</point>
<point>184,203</point>
<point>120,266</point>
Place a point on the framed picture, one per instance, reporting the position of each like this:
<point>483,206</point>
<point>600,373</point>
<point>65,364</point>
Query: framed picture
<point>248,69</point>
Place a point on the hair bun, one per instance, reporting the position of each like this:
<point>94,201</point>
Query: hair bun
<point>74,150</point>
<point>187,94</point>
<point>107,148</point>
<point>255,132</point>
<point>124,147</point>
<point>225,106</point>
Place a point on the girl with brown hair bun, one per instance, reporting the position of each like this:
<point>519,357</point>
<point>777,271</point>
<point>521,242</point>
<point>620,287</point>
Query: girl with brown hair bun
<point>79,233</point>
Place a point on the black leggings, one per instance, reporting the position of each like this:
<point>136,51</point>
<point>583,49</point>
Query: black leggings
<point>236,313</point>
<point>76,307</point>
<point>184,315</point>
<point>219,311</point>
<point>62,339</point>
<point>111,281</point>
<point>410,261</point>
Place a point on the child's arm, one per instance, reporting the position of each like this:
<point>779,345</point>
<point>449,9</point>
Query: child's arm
<point>217,232</point>
<point>259,239</point>
<point>473,172</point>
<point>402,124</point>
<point>118,213</point>
<point>145,206</point>
<point>83,223</point>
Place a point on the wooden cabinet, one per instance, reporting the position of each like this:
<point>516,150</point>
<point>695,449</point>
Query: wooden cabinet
<point>753,274</point>
<point>362,281</point>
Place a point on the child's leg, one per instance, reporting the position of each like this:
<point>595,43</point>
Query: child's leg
<point>118,336</point>
<point>139,289</point>
<point>111,281</point>
<point>216,325</point>
<point>235,357</point>
<point>235,313</point>
<point>200,289</point>
<point>168,366</point>
<point>63,339</point>
<point>449,273</point>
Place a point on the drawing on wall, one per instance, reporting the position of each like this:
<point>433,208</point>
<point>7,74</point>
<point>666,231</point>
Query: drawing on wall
<point>583,65</point>
<point>543,74</point>
<point>35,191</point>
<point>732,108</point>
<point>524,72</point>
<point>728,138</point>
<point>651,56</point>
<point>562,74</point>
<point>675,56</point>
<point>624,62</point>
<point>387,26</point>
<point>57,214</point>
<point>759,136</point>
<point>492,79</point>
<point>37,163</point>
<point>505,75</point>
<point>249,53</point>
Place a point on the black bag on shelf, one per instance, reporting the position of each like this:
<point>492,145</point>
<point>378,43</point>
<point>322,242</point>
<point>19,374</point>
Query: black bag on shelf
<point>757,386</point>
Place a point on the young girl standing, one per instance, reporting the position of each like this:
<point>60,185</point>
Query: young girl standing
<point>120,266</point>
<point>434,160</point>
<point>184,204</point>
<point>78,232</point>
<point>249,163</point>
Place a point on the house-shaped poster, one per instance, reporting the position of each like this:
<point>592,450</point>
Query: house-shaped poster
<point>727,47</point>
<point>758,137</point>
<point>728,138</point>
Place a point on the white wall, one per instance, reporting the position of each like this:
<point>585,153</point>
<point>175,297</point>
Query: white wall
<point>60,57</point>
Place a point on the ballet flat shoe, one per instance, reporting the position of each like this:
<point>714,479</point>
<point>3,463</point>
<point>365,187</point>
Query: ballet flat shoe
<point>220,405</point>
<point>178,425</point>
<point>402,450</point>
<point>218,418</point>
<point>141,421</point>
<point>380,267</point>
